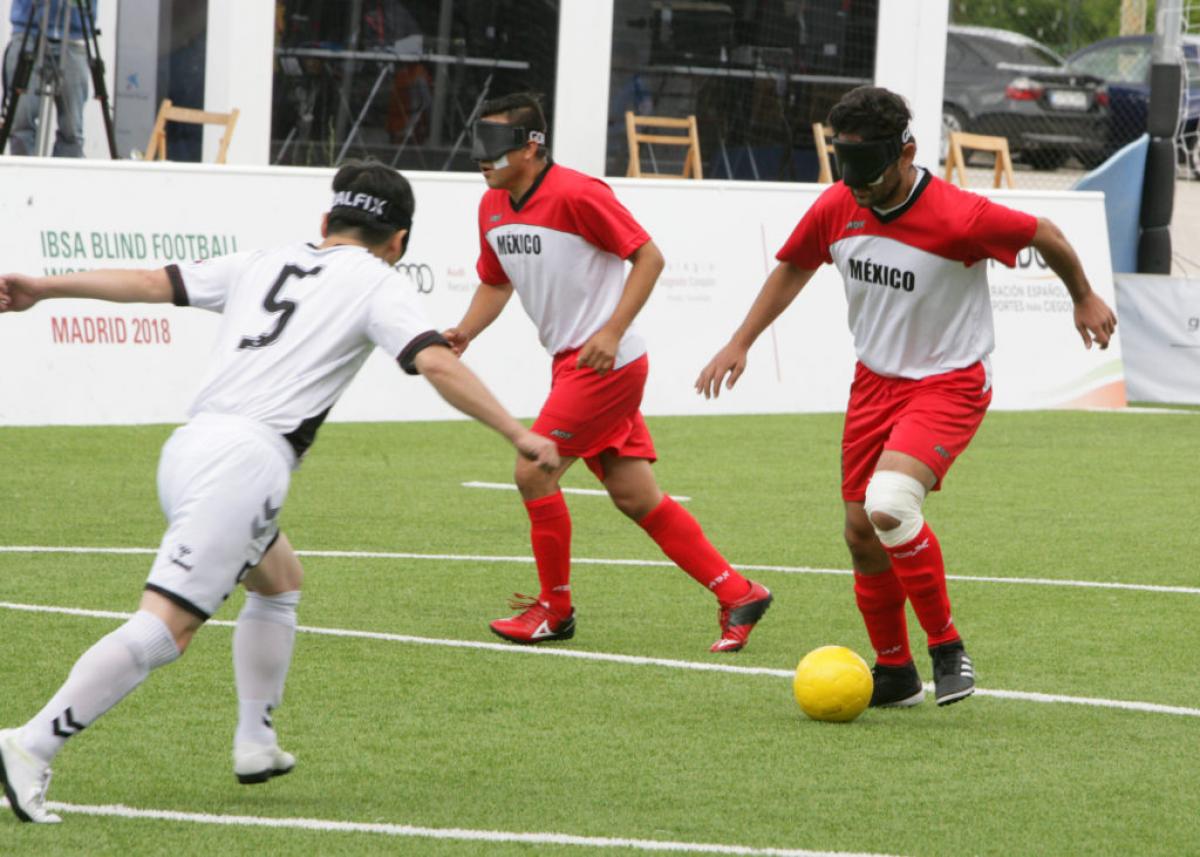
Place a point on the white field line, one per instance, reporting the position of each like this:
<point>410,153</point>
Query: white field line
<point>637,563</point>
<point>631,660</point>
<point>452,833</point>
<point>1144,410</point>
<point>590,492</point>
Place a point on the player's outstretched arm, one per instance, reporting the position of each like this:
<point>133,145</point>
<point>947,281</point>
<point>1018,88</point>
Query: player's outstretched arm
<point>485,308</point>
<point>462,388</point>
<point>599,352</point>
<point>777,293</point>
<point>19,292</point>
<point>1093,318</point>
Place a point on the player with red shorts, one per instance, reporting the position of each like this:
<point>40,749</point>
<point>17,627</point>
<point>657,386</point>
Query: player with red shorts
<point>912,250</point>
<point>560,239</point>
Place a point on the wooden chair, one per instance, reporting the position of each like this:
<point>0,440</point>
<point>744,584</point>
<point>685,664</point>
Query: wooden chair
<point>955,159</point>
<point>156,149</point>
<point>690,139</point>
<point>823,139</point>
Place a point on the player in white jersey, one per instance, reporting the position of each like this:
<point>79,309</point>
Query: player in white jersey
<point>559,239</point>
<point>911,249</point>
<point>297,324</point>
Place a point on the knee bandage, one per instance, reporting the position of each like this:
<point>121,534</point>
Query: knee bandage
<point>900,497</point>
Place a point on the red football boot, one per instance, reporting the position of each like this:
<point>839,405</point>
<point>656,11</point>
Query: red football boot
<point>739,618</point>
<point>536,623</point>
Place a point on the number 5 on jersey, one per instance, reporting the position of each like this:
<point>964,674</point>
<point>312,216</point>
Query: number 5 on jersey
<point>286,308</point>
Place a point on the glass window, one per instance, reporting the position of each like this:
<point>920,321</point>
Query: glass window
<point>400,82</point>
<point>756,74</point>
<point>1016,52</point>
<point>1129,63</point>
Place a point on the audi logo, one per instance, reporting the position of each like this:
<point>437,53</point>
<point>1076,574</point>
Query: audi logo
<point>420,274</point>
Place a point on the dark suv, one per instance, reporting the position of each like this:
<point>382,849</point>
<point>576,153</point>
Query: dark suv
<point>1009,85</point>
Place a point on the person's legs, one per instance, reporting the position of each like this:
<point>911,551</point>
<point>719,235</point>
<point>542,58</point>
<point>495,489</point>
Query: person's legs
<point>263,640</point>
<point>550,616</point>
<point>938,419</point>
<point>631,484</point>
<point>22,138</point>
<point>71,98</point>
<point>105,674</point>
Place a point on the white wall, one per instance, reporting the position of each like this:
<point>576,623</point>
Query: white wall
<point>580,133</point>
<point>86,362</point>
<point>239,62</point>
<point>910,58</point>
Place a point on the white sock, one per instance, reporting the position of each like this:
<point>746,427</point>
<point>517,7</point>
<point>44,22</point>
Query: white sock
<point>103,676</point>
<point>262,652</point>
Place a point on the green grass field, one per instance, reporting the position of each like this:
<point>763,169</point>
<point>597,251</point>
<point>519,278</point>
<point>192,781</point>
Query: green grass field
<point>456,741</point>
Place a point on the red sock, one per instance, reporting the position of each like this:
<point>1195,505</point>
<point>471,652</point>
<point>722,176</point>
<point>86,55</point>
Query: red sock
<point>682,540</point>
<point>881,601</point>
<point>550,533</point>
<point>922,573</point>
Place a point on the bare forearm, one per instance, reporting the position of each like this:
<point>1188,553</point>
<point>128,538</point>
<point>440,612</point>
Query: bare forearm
<point>776,295</point>
<point>648,263</point>
<point>117,285</point>
<point>462,388</point>
<point>486,306</point>
<point>1062,259</point>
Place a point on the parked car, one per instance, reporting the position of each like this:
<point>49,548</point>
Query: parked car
<point>1124,62</point>
<point>1006,84</point>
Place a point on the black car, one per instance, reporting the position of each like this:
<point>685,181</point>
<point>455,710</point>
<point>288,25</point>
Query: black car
<point>1005,84</point>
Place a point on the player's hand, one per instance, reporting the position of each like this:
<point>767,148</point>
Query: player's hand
<point>539,449</point>
<point>458,340</point>
<point>1095,321</point>
<point>599,352</point>
<point>731,361</point>
<point>17,292</point>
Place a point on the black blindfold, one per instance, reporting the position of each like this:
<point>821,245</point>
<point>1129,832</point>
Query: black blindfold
<point>491,140</point>
<point>863,163</point>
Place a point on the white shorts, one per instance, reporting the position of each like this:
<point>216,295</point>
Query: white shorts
<point>221,482</point>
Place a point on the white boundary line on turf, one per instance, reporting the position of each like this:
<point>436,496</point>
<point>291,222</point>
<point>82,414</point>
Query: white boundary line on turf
<point>452,833</point>
<point>632,660</point>
<point>590,492</point>
<point>1144,410</point>
<point>648,563</point>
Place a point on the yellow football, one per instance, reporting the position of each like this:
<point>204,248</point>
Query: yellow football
<point>833,683</point>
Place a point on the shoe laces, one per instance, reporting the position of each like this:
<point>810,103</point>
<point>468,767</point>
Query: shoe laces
<point>38,798</point>
<point>523,602</point>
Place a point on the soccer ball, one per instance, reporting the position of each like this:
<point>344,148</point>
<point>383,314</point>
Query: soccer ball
<point>833,683</point>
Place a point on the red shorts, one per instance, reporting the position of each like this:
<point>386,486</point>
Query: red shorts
<point>587,413</point>
<point>932,420</point>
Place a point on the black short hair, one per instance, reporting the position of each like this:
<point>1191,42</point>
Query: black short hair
<point>383,182</point>
<point>519,108</point>
<point>870,112</point>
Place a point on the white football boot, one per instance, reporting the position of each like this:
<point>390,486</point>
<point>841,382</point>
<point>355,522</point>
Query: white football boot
<point>257,763</point>
<point>25,779</point>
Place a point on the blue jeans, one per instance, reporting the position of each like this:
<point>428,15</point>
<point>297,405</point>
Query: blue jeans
<point>69,101</point>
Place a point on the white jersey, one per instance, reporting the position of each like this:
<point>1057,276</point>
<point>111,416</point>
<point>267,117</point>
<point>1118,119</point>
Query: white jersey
<point>297,324</point>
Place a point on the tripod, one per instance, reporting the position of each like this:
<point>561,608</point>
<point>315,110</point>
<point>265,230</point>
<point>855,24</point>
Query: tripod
<point>50,74</point>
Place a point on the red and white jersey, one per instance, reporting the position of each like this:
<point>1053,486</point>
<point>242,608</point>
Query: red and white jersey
<point>297,324</point>
<point>562,247</point>
<point>919,303</point>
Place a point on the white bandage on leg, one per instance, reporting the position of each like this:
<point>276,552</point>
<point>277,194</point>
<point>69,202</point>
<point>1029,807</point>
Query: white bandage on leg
<point>900,497</point>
